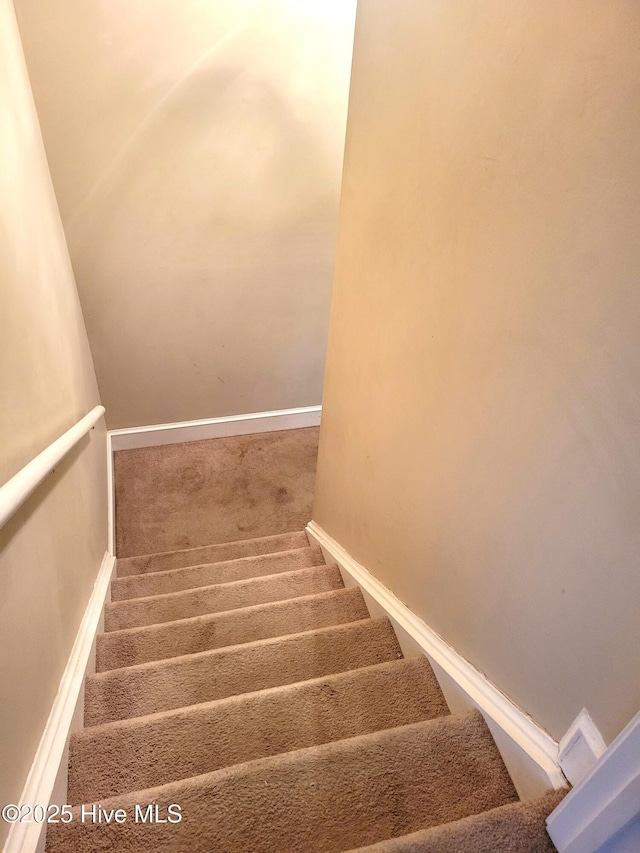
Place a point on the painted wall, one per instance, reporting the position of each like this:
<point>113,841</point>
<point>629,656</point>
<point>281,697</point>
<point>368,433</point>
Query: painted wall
<point>196,152</point>
<point>479,444</point>
<point>52,547</point>
<point>627,840</point>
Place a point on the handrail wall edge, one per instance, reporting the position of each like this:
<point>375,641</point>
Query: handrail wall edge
<point>22,485</point>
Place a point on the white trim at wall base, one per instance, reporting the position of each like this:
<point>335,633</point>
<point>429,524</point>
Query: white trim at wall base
<point>606,801</point>
<point>499,711</point>
<point>580,747</point>
<point>50,759</point>
<point>111,499</point>
<point>158,434</point>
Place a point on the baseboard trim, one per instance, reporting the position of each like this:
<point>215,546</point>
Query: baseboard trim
<point>528,736</point>
<point>603,803</point>
<point>111,499</point>
<point>173,433</point>
<point>51,751</point>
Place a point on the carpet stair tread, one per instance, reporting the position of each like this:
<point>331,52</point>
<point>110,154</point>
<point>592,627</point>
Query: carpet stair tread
<point>131,646</point>
<point>513,828</point>
<point>245,683</point>
<point>323,798</point>
<point>164,560</point>
<point>206,574</point>
<point>216,598</point>
<point>188,680</point>
<point>145,752</point>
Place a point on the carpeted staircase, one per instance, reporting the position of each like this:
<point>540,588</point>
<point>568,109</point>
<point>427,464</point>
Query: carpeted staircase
<point>245,684</point>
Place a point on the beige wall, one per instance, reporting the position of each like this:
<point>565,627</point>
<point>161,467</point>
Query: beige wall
<point>196,151</point>
<point>51,549</point>
<point>46,378</point>
<point>479,445</point>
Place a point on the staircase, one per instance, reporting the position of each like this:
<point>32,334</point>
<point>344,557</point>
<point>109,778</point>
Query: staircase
<point>244,684</point>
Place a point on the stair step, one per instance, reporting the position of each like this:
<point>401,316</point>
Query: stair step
<point>164,560</point>
<point>162,685</point>
<point>516,828</point>
<point>174,580</point>
<point>148,751</point>
<point>136,612</point>
<point>324,798</point>
<point>132,646</point>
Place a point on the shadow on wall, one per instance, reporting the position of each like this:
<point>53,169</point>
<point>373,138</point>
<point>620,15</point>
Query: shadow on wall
<point>223,129</point>
<point>210,228</point>
<point>201,244</point>
<point>199,197</point>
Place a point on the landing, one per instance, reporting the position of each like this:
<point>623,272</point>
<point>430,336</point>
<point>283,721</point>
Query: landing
<point>219,490</point>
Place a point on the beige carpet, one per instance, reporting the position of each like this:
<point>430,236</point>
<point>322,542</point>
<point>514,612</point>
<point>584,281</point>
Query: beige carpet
<point>220,490</point>
<point>514,828</point>
<point>256,693</point>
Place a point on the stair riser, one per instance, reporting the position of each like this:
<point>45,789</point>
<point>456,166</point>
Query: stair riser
<point>143,753</point>
<point>161,583</point>
<point>210,554</point>
<point>132,692</point>
<point>120,649</point>
<point>137,612</point>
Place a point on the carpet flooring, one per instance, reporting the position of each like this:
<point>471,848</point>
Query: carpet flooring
<point>220,490</point>
<point>245,701</point>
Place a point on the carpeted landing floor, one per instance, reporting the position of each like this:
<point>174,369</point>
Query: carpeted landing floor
<point>242,689</point>
<point>220,490</point>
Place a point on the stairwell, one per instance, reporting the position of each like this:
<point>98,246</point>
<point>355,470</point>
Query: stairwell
<point>244,684</point>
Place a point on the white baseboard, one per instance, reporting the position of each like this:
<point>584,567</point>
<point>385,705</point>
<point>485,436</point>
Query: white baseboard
<point>49,769</point>
<point>111,499</point>
<point>529,752</point>
<point>580,747</point>
<point>604,807</point>
<point>158,434</point>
